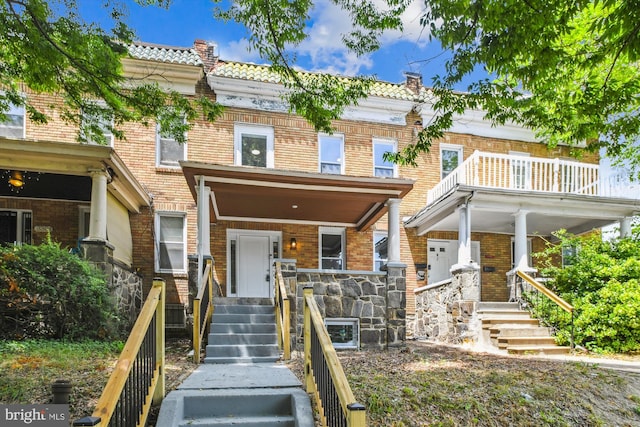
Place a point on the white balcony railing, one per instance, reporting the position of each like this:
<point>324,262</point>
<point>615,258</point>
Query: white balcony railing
<point>520,173</point>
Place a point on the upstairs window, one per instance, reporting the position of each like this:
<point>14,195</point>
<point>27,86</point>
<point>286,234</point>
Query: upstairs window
<point>331,148</point>
<point>169,152</point>
<point>332,248</point>
<point>94,121</point>
<point>253,146</point>
<point>13,124</point>
<point>171,242</point>
<point>450,158</point>
<point>383,168</point>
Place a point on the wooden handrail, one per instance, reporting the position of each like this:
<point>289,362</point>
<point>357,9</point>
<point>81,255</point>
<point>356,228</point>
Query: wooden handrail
<point>354,412</point>
<point>199,321</point>
<point>283,313</point>
<point>153,308</point>
<point>546,291</point>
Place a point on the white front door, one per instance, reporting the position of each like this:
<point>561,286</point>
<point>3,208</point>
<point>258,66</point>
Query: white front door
<point>253,267</point>
<point>442,255</point>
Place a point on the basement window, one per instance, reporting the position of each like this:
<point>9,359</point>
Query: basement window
<point>344,333</point>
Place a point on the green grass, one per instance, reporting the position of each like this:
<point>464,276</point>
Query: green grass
<point>27,369</point>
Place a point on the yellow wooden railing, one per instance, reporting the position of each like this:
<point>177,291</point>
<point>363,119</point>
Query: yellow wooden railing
<point>202,309</point>
<point>283,312</point>
<point>324,376</point>
<point>137,381</point>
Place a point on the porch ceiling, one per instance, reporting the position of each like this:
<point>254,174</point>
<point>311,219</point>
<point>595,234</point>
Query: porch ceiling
<point>240,193</point>
<point>492,211</point>
<point>65,168</point>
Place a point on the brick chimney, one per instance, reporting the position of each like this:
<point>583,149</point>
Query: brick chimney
<point>208,52</point>
<point>413,82</point>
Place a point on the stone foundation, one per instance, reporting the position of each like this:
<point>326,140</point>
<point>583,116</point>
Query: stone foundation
<point>447,312</point>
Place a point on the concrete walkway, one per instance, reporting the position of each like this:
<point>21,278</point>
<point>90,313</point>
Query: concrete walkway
<point>231,389</point>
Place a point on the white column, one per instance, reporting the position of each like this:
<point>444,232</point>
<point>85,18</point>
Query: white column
<point>98,220</point>
<point>520,257</point>
<point>464,235</point>
<point>625,227</point>
<point>393,217</point>
<point>203,236</point>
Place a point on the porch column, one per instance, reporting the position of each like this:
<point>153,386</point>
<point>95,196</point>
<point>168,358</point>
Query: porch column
<point>520,258</point>
<point>203,235</point>
<point>464,235</point>
<point>625,227</point>
<point>393,217</point>
<point>98,211</point>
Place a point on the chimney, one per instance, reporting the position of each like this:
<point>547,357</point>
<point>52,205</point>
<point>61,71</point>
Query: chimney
<point>413,82</point>
<point>208,52</point>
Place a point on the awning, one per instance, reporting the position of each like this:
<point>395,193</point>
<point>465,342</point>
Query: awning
<point>243,193</point>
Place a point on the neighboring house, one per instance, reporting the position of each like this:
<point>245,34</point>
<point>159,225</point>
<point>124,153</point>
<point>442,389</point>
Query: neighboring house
<point>260,184</point>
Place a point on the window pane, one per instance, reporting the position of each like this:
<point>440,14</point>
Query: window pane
<point>171,228</point>
<point>171,152</point>
<point>383,168</point>
<point>13,125</point>
<point>331,154</point>
<point>332,251</point>
<point>341,334</point>
<point>171,256</point>
<point>8,227</point>
<point>254,150</point>
<point>380,243</point>
<point>450,161</point>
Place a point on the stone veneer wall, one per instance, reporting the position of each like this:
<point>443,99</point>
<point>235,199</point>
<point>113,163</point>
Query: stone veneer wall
<point>447,312</point>
<point>377,299</point>
<point>124,284</point>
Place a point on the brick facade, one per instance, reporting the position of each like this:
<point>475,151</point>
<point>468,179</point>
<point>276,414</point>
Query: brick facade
<point>296,149</point>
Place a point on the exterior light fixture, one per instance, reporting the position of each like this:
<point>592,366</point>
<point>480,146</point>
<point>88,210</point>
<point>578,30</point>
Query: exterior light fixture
<point>294,244</point>
<point>16,179</point>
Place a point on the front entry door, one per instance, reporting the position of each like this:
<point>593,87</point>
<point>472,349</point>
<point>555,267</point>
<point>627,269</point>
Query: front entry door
<point>253,267</point>
<point>442,255</point>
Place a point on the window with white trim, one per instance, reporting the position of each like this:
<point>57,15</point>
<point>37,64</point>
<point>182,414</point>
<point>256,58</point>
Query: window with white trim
<point>253,146</point>
<point>529,252</point>
<point>171,242</point>
<point>169,151</point>
<point>84,221</point>
<point>344,332</point>
<point>380,244</point>
<point>331,154</point>
<point>381,167</point>
<point>13,124</point>
<point>332,248</point>
<point>450,158</point>
<point>99,123</point>
<point>15,227</point>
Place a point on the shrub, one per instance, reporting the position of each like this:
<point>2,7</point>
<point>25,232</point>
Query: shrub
<point>47,292</point>
<point>602,283</point>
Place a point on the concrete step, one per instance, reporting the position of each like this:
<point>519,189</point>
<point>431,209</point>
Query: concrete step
<point>242,301</point>
<point>502,322</point>
<point>240,328</point>
<point>266,421</point>
<point>503,314</point>
<point>241,360</point>
<point>533,349</point>
<point>508,342</point>
<point>242,350</point>
<point>246,338</point>
<point>521,331</point>
<point>485,306</point>
<point>244,309</point>
<point>242,318</point>
<point>246,407</point>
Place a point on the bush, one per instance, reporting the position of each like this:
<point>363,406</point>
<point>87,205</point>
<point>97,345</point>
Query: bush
<point>46,292</point>
<point>602,283</point>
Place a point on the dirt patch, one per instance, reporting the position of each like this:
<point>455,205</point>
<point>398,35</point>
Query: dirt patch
<point>426,384</point>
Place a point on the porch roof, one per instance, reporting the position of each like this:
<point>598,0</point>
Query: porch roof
<point>493,210</point>
<point>242,193</point>
<point>65,171</point>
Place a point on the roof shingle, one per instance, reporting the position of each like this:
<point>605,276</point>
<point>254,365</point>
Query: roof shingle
<point>169,54</point>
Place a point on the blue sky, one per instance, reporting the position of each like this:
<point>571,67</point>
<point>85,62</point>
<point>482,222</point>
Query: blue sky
<point>187,20</point>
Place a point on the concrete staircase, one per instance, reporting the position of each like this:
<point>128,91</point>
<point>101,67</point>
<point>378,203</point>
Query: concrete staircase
<point>239,384</point>
<point>512,329</point>
<point>242,331</point>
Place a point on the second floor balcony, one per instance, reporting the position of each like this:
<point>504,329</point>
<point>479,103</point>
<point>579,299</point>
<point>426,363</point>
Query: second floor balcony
<point>522,174</point>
